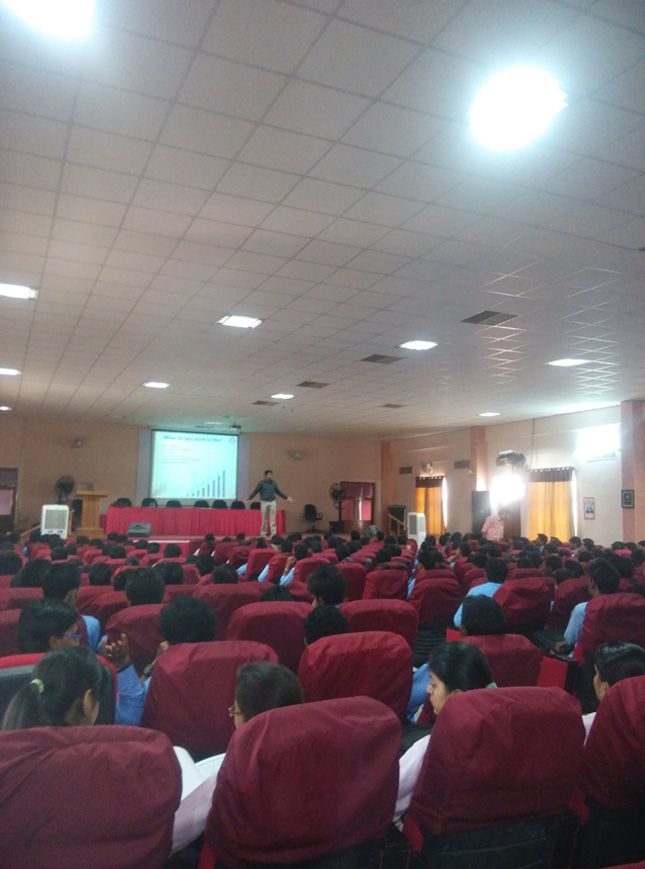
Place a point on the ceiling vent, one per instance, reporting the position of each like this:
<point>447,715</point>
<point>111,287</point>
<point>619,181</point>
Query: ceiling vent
<point>266,403</point>
<point>312,384</point>
<point>462,465</point>
<point>511,457</point>
<point>393,406</point>
<point>405,469</point>
<point>380,359</point>
<point>490,318</point>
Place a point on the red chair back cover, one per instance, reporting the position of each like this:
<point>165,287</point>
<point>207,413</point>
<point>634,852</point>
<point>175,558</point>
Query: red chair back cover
<point>103,606</point>
<point>525,601</point>
<point>330,556</point>
<point>436,600</point>
<point>525,572</point>
<point>386,584</point>
<point>173,591</point>
<point>258,559</point>
<point>355,575</point>
<point>299,591</point>
<point>88,593</point>
<point>225,599</point>
<point>435,573</point>
<point>376,664</point>
<point>277,566</point>
<point>191,689</point>
<point>303,781</point>
<point>278,624</point>
<point>9,632</point>
<point>396,616</point>
<point>614,755</point>
<point>306,566</point>
<point>514,660</point>
<point>611,618</point>
<point>191,575</point>
<point>567,595</point>
<point>101,796</point>
<point>498,755</point>
<point>471,575</point>
<point>222,550</point>
<point>238,556</point>
<point>141,626</point>
<point>18,598</point>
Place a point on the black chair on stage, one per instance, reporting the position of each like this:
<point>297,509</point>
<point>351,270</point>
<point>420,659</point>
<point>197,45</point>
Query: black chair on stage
<point>311,515</point>
<point>149,502</point>
<point>201,503</point>
<point>238,505</point>
<point>218,504</point>
<point>173,503</point>
<point>255,505</point>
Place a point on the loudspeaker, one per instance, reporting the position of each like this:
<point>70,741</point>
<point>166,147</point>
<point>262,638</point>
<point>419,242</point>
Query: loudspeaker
<point>480,509</point>
<point>139,529</point>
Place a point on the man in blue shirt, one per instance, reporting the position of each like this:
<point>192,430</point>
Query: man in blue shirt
<point>268,489</point>
<point>496,571</point>
<point>603,579</point>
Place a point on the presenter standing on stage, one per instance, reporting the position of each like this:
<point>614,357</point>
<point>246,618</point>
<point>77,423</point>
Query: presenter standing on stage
<point>268,489</point>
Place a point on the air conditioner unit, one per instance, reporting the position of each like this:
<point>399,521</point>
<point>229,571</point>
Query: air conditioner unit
<point>417,526</point>
<point>54,519</point>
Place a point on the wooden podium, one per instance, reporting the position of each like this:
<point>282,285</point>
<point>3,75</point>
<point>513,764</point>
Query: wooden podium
<point>90,512</point>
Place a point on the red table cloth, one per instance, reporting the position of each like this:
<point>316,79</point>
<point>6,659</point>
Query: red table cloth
<point>189,521</point>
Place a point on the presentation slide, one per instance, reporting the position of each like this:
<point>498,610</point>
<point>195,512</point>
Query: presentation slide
<point>193,465</point>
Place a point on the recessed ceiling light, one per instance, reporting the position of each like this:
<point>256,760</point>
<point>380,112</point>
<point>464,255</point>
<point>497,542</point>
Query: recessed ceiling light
<point>418,345</point>
<point>62,19</point>
<point>568,363</point>
<point>283,395</point>
<point>239,322</point>
<point>489,413</point>
<point>4,407</point>
<point>156,384</point>
<point>17,291</point>
<point>514,107</point>
<point>10,372</point>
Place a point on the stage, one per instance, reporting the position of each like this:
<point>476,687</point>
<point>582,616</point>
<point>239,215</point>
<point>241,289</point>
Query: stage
<point>186,522</point>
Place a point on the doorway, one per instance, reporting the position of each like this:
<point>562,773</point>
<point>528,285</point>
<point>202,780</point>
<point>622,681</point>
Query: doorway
<point>8,489</point>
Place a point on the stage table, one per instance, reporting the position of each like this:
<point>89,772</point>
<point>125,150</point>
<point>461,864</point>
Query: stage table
<point>189,521</point>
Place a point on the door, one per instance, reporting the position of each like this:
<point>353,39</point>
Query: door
<point>8,488</point>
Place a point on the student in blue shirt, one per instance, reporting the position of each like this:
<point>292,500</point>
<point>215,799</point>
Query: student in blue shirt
<point>496,571</point>
<point>62,583</point>
<point>603,579</point>
<point>300,551</point>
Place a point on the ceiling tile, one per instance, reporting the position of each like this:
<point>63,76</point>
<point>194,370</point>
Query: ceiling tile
<point>311,108</point>
<point>296,222</point>
<point>45,93</point>
<point>379,208</point>
<point>257,183</point>
<point>97,183</point>
<point>347,165</point>
<point>279,149</point>
<point>408,18</point>
<point>375,261</point>
<point>393,129</point>
<point>418,181</point>
<point>107,150</point>
<point>17,168</point>
<point>274,243</point>
<point>180,21</point>
<point>178,166</point>
<point>322,196</point>
<point>353,232</point>
<point>169,197</point>
<point>32,134</point>
<point>327,253</point>
<point>437,83</point>
<point>408,244</point>
<point>247,212</point>
<point>156,222</point>
<point>119,111</point>
<point>206,132</point>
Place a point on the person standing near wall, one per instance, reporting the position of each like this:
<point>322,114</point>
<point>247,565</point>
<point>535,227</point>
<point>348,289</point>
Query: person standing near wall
<point>268,489</point>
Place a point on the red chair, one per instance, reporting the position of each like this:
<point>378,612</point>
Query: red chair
<point>9,632</point>
<point>18,598</point>
<point>471,575</point>
<point>375,664</point>
<point>514,660</point>
<point>278,624</point>
<point>277,566</point>
<point>225,599</point>
<point>288,790</point>
<point>191,689</point>
<point>567,595</point>
<point>435,573</point>
<point>238,556</point>
<point>613,778</point>
<point>525,573</point>
<point>222,551</point>
<point>611,618</point>
<point>306,566</point>
<point>51,815</point>
<point>355,576</point>
<point>141,626</point>
<point>172,591</point>
<point>386,584</point>
<point>379,614</point>
<point>258,559</point>
<point>191,576</point>
<point>436,600</point>
<point>88,593</point>
<point>526,603</point>
<point>103,606</point>
<point>503,762</point>
<point>330,556</point>
<point>300,592</point>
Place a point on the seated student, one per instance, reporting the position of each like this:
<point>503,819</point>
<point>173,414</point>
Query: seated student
<point>170,571</point>
<point>454,667</point>
<point>260,543</point>
<point>300,551</point>
<point>496,571</point>
<point>184,620</point>
<point>153,548</point>
<point>482,616</point>
<point>172,550</point>
<point>284,548</point>
<point>603,579</point>
<point>10,563</point>
<point>100,574</point>
<point>51,625</point>
<point>614,662</point>
<point>32,574</point>
<point>144,586</point>
<point>224,574</point>
<point>64,692</point>
<point>327,585</point>
<point>205,563</point>
<point>325,621</point>
<point>62,583</point>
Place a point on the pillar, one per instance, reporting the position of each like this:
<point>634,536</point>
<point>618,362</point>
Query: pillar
<point>632,436</point>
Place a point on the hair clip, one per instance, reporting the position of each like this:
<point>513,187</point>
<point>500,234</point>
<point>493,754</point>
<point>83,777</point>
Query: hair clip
<point>40,685</point>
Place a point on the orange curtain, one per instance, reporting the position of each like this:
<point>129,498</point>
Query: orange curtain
<point>550,503</point>
<point>429,501</point>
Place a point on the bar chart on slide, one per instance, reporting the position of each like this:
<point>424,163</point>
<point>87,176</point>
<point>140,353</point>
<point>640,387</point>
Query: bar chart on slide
<point>193,465</point>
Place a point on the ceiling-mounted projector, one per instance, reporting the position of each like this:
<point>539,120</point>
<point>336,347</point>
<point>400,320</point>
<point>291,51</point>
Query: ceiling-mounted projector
<point>512,458</point>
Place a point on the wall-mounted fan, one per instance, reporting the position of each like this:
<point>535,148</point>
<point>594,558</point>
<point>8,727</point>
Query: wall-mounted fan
<point>63,487</point>
<point>337,495</point>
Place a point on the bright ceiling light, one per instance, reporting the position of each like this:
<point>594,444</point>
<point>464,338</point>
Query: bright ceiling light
<point>4,407</point>
<point>156,384</point>
<point>62,19</point>
<point>10,372</point>
<point>283,395</point>
<point>239,322</point>
<point>418,345</point>
<point>568,363</point>
<point>17,291</point>
<point>514,107</point>
<point>489,413</point>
